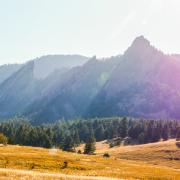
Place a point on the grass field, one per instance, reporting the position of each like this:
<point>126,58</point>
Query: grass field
<point>151,161</point>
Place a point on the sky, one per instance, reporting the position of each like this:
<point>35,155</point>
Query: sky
<point>32,28</point>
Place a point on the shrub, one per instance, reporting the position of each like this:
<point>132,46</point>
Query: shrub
<point>106,155</point>
<point>3,139</point>
<point>32,166</point>
<point>111,145</point>
<point>65,165</point>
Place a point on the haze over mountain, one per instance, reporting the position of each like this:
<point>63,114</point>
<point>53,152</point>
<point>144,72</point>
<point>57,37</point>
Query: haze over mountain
<point>46,65</point>
<point>72,92</point>
<point>143,82</point>
<point>7,70</point>
<point>23,83</point>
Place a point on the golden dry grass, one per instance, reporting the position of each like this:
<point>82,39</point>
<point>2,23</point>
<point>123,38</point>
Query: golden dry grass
<point>161,153</point>
<point>151,161</point>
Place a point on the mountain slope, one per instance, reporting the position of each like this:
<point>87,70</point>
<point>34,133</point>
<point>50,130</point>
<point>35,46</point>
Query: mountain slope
<point>7,70</point>
<point>21,87</point>
<point>141,83</point>
<point>145,84</point>
<point>46,65</point>
<point>17,91</point>
<point>72,93</point>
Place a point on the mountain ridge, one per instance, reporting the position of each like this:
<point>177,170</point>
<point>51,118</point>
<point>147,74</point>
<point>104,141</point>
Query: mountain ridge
<point>140,83</point>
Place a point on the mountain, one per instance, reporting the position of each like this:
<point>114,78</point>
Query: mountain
<point>17,91</point>
<point>7,70</point>
<point>21,88</point>
<point>144,84</point>
<point>70,95</point>
<point>46,65</point>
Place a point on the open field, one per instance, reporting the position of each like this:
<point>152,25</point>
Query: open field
<point>150,161</point>
<point>161,153</point>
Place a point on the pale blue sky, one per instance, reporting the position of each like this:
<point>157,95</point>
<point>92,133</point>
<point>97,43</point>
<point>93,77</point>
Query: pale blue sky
<point>31,28</point>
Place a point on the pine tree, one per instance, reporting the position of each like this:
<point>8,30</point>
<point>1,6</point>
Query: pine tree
<point>76,137</point>
<point>90,144</point>
<point>99,132</point>
<point>156,136</point>
<point>68,144</point>
<point>89,147</point>
<point>149,133</point>
<point>141,138</point>
<point>165,133</point>
<point>124,128</point>
<point>178,135</point>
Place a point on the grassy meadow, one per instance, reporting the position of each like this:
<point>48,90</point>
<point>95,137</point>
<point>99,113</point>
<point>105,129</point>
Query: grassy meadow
<point>151,161</point>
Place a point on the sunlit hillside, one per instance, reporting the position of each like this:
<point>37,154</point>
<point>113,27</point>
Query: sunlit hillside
<point>150,161</point>
<point>161,153</point>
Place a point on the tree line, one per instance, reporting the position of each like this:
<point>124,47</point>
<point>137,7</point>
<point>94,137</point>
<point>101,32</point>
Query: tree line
<point>67,135</point>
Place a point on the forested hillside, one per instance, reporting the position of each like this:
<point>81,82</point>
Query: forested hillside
<point>69,134</point>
